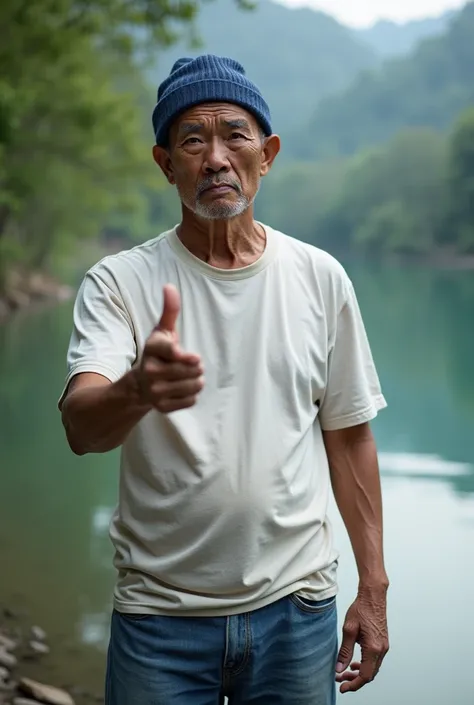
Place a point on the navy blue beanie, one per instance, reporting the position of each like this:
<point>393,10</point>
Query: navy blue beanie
<point>206,79</point>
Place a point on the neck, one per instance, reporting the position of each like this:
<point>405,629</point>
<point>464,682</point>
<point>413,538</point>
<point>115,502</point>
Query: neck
<point>226,244</point>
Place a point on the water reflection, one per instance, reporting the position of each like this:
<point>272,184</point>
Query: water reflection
<point>421,465</point>
<point>101,520</point>
<point>94,628</point>
<point>420,325</point>
<point>432,577</point>
<point>430,468</point>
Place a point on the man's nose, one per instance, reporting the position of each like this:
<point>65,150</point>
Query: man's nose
<point>216,157</point>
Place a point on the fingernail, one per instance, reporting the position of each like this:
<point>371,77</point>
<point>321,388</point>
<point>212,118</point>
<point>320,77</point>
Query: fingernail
<point>339,667</point>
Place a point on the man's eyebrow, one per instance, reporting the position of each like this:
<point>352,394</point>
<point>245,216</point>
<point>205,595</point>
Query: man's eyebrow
<point>237,124</point>
<point>189,127</point>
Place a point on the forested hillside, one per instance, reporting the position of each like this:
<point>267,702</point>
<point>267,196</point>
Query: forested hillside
<point>413,196</point>
<point>427,89</point>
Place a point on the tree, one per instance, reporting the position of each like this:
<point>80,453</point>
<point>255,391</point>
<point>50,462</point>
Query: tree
<point>383,200</point>
<point>295,196</point>
<point>461,183</point>
<point>74,145</point>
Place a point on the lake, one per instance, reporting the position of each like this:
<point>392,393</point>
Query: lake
<point>55,556</point>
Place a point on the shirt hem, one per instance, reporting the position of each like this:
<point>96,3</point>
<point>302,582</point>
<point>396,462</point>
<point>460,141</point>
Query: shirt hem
<point>301,587</point>
<point>368,414</point>
<point>93,367</point>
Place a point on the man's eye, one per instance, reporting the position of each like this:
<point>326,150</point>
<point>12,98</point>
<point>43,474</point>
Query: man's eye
<point>237,136</point>
<point>192,140</point>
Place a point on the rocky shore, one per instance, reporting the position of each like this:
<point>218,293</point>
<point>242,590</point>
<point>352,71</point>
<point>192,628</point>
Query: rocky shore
<point>23,290</point>
<point>20,647</point>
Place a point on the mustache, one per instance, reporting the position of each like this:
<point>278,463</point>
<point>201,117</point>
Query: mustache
<point>211,181</point>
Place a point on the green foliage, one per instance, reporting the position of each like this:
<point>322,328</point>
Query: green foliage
<point>296,197</point>
<point>461,173</point>
<point>412,197</point>
<point>387,227</point>
<point>74,114</point>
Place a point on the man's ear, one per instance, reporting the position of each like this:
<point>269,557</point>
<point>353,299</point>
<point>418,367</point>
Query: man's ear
<point>270,149</point>
<point>162,158</point>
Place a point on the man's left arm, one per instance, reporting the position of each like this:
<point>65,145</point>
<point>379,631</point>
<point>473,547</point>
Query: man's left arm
<point>355,478</point>
<point>352,399</point>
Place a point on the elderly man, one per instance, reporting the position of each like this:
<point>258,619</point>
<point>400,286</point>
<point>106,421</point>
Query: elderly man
<point>230,363</point>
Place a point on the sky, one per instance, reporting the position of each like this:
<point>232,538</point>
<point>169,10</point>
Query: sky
<point>361,13</point>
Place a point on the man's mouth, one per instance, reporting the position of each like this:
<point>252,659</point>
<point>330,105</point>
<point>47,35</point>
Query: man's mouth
<point>219,188</point>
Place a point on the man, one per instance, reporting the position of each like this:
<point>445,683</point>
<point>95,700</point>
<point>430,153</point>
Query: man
<point>231,364</point>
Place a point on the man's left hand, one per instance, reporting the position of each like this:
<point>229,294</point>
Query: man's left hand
<point>366,625</point>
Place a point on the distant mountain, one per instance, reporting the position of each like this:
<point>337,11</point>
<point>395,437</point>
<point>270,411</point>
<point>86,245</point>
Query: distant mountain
<point>428,88</point>
<point>390,39</point>
<point>296,56</point>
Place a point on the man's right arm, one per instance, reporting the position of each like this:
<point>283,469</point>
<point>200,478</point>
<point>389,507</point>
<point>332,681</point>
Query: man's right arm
<point>98,414</point>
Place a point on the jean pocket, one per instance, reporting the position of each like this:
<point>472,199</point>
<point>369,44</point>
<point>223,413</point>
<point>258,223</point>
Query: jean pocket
<point>133,617</point>
<point>313,606</point>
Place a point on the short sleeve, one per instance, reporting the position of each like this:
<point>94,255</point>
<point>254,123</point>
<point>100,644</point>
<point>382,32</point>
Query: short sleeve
<point>353,394</point>
<point>102,338</point>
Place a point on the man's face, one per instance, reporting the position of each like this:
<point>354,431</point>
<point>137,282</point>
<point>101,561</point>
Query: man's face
<point>216,158</point>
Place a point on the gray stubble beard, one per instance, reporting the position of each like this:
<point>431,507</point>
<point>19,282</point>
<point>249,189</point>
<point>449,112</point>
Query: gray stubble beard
<point>219,211</point>
<point>222,211</point>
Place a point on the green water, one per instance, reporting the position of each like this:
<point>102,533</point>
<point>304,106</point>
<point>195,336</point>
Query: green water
<point>55,556</point>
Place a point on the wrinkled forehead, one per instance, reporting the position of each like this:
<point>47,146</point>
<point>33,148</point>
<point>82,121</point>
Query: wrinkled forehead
<point>214,116</point>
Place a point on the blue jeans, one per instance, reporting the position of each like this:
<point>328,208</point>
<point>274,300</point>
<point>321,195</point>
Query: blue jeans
<point>282,654</point>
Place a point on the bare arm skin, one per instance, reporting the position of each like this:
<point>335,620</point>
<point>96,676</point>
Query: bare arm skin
<point>98,415</point>
<point>355,480</point>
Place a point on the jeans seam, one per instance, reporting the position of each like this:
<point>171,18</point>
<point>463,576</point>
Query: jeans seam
<point>225,669</point>
<point>247,648</point>
<point>230,672</point>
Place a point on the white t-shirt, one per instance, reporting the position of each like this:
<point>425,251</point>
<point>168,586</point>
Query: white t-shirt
<point>222,507</point>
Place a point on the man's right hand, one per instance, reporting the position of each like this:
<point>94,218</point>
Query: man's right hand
<point>168,378</point>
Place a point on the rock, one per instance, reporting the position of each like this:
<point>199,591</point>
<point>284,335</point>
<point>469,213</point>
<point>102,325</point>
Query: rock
<point>4,673</point>
<point>18,299</point>
<point>4,309</point>
<point>45,693</point>
<point>78,692</point>
<point>37,285</point>
<point>7,687</point>
<point>39,647</point>
<point>7,644</point>
<point>9,614</point>
<point>7,659</point>
<point>25,701</point>
<point>64,293</point>
<point>38,634</point>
